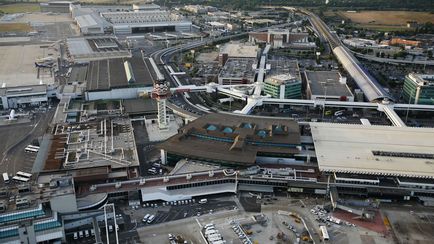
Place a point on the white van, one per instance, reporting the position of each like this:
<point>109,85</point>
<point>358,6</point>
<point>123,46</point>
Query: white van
<point>339,113</point>
<point>210,228</point>
<point>210,232</point>
<point>80,234</point>
<point>145,219</point>
<point>152,171</point>
<point>203,200</point>
<point>151,219</point>
<point>208,225</point>
<point>75,236</point>
<point>92,232</point>
<point>86,233</point>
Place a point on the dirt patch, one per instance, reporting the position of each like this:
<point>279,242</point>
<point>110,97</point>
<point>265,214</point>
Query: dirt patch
<point>392,18</point>
<point>384,20</point>
<point>377,224</point>
<point>15,27</point>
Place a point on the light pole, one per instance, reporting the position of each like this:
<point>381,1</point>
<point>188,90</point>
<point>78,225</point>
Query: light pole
<point>409,101</point>
<point>324,83</point>
<point>114,218</point>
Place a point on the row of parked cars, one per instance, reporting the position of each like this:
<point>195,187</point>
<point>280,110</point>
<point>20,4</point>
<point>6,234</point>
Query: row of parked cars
<point>175,203</point>
<point>243,237</point>
<point>84,234</point>
<point>212,234</point>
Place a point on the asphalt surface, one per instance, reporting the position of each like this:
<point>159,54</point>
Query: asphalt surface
<point>132,218</point>
<point>16,137</point>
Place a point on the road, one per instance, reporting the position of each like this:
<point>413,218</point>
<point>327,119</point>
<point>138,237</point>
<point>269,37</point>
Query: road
<point>164,56</point>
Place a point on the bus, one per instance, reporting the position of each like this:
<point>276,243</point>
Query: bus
<point>24,174</point>
<point>365,121</point>
<point>324,233</point>
<point>6,178</point>
<point>150,219</point>
<point>20,179</point>
<point>30,150</point>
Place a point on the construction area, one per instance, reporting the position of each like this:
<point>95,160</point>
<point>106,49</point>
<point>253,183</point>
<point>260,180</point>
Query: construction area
<point>280,220</point>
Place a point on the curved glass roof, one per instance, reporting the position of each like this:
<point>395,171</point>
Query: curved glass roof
<point>228,130</point>
<point>211,127</point>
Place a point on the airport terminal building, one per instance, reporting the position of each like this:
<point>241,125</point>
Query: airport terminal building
<point>234,140</point>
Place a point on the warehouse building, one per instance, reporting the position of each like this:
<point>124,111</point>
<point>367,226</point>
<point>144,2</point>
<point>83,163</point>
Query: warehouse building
<point>146,21</point>
<point>419,89</point>
<point>57,6</point>
<point>23,96</point>
<point>327,85</point>
<point>89,24</point>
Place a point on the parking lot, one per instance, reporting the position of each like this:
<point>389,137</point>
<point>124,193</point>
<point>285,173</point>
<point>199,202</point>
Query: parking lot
<point>170,211</point>
<point>282,219</point>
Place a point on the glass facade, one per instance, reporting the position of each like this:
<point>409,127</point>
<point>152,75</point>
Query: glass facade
<point>426,93</point>
<point>292,89</point>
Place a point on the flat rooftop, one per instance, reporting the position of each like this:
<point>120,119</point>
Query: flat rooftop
<point>23,90</point>
<point>86,146</point>
<point>17,65</point>
<point>140,106</point>
<point>112,73</point>
<point>283,66</point>
<point>238,68</point>
<point>240,50</point>
<point>374,150</point>
<point>319,80</point>
<point>234,139</point>
<point>95,48</point>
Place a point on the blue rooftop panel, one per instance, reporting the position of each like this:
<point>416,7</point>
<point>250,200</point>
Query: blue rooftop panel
<point>228,130</point>
<point>262,133</point>
<point>18,216</point>
<point>247,126</point>
<point>278,128</point>
<point>46,226</point>
<point>8,233</point>
<point>211,127</point>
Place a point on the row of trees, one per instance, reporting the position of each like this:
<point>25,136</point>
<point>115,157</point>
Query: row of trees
<point>364,4</point>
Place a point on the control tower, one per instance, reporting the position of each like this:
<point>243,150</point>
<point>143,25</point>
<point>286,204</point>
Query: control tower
<point>160,92</point>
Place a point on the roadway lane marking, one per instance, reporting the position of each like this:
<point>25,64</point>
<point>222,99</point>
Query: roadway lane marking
<point>197,220</point>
